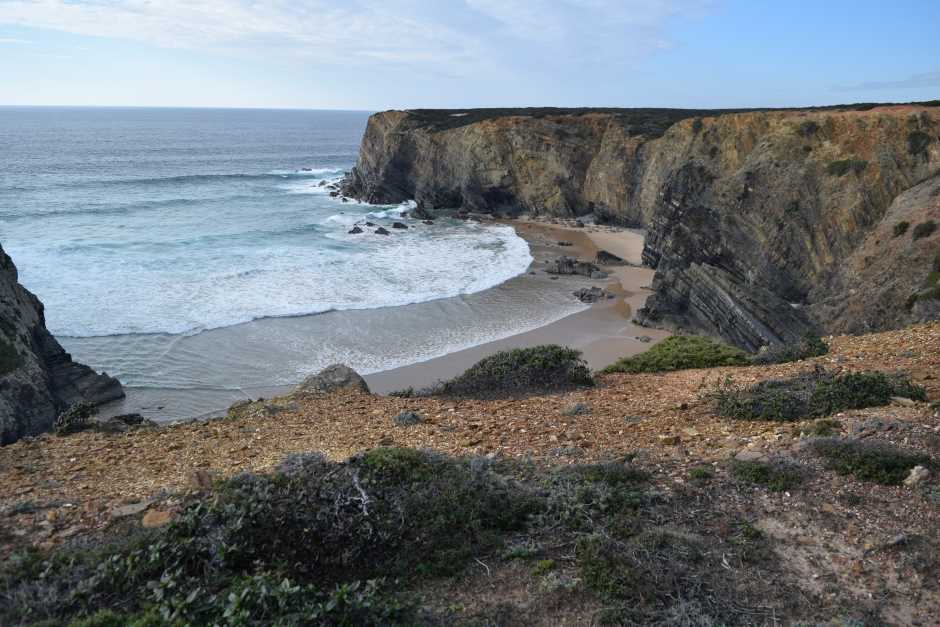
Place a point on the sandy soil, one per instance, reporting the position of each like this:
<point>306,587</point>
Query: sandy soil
<point>603,333</point>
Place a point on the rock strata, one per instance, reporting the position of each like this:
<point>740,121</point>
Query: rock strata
<point>761,225</point>
<point>38,379</point>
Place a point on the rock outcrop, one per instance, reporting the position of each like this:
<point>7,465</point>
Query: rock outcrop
<point>760,224</point>
<point>38,379</point>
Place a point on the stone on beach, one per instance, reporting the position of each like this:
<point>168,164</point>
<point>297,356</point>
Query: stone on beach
<point>332,378</point>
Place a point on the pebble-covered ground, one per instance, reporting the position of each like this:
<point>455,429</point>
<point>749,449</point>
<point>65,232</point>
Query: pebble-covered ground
<point>838,533</point>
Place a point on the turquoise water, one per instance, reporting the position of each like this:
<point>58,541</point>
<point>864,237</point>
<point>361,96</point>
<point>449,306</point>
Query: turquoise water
<point>163,242</point>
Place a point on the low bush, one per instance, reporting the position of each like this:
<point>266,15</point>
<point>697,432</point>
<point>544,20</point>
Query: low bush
<point>681,352</point>
<point>777,476</point>
<point>901,228</point>
<point>810,345</point>
<point>844,166</point>
<point>868,460</point>
<point>301,546</point>
<point>813,394</point>
<point>824,428</point>
<point>521,370</point>
<point>10,360</point>
<point>924,229</point>
<point>76,418</point>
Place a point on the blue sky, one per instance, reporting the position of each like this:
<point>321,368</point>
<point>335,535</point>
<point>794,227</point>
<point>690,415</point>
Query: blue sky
<point>380,54</point>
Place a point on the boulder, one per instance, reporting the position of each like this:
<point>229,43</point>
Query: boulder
<point>567,265</point>
<point>355,230</point>
<point>590,294</point>
<point>399,225</point>
<point>420,212</point>
<point>917,475</point>
<point>427,222</point>
<point>599,274</point>
<point>370,223</point>
<point>381,231</point>
<point>332,378</point>
<point>605,258</point>
<point>565,243</point>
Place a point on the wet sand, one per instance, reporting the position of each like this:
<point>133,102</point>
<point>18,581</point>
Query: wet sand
<point>603,333</point>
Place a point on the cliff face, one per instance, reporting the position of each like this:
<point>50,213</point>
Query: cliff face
<point>760,224</point>
<point>38,379</point>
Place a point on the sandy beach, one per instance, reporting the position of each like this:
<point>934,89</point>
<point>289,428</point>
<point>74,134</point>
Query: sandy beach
<point>604,332</point>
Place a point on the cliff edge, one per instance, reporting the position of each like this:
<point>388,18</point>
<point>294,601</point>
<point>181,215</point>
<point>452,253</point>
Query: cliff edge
<point>38,379</point>
<point>762,225</point>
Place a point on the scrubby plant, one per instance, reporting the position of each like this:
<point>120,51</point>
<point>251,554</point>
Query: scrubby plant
<point>702,474</point>
<point>879,462</point>
<point>824,428</point>
<point>681,352</point>
<point>917,142</point>
<point>76,418</point>
<point>844,166</point>
<point>521,370</point>
<point>808,128</point>
<point>303,545</point>
<point>813,394</point>
<point>777,476</point>
<point>901,228</point>
<point>924,229</point>
<point>810,345</point>
<point>10,360</point>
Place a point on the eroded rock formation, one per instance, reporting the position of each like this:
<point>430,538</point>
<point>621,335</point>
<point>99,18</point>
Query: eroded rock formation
<point>38,379</point>
<point>762,225</point>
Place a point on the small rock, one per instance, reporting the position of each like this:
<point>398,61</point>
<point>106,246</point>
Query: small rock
<point>407,419</point>
<point>355,230</point>
<point>427,222</point>
<point>576,409</point>
<point>370,224</point>
<point>669,440</point>
<point>565,243</point>
<point>900,400</point>
<point>917,475</point>
<point>599,274</point>
<point>645,339</point>
<point>590,295</point>
<point>156,518</point>
<point>200,480</point>
<point>399,225</point>
<point>633,418</point>
<point>750,456</point>
<point>332,378</point>
<point>579,224</point>
<point>130,510</point>
<point>605,258</point>
<point>381,231</point>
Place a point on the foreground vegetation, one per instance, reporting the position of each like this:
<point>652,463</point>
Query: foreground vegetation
<point>680,352</point>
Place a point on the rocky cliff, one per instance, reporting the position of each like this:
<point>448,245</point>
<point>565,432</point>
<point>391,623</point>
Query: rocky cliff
<point>38,379</point>
<point>762,225</point>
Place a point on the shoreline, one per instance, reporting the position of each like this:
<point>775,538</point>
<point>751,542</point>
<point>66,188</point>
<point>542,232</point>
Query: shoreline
<point>604,331</point>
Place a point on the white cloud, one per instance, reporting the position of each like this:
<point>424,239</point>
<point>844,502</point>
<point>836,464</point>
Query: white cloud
<point>356,32</point>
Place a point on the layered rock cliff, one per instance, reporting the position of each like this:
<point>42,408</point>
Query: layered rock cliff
<point>38,379</point>
<point>762,225</point>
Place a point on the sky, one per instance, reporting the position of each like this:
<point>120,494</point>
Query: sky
<point>383,54</point>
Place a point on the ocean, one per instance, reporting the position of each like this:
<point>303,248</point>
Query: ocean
<point>196,254</point>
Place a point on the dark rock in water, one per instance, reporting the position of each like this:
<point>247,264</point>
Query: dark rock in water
<point>427,221</point>
<point>332,378</point>
<point>344,199</point>
<point>399,225</point>
<point>590,294</point>
<point>407,419</point>
<point>38,379</point>
<point>370,224</point>
<point>565,243</point>
<point>122,423</point>
<point>355,230</point>
<point>599,274</point>
<point>381,231</point>
<point>321,183</point>
<point>420,212</point>
<point>306,170</point>
<point>567,265</point>
<point>579,224</point>
<point>334,193</point>
<point>605,258</point>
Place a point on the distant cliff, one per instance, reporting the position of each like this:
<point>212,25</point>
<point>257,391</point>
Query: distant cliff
<point>762,225</point>
<point>38,379</point>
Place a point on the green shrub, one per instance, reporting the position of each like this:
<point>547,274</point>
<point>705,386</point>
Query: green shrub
<point>844,166</point>
<point>818,393</point>
<point>307,541</point>
<point>824,428</point>
<point>76,418</point>
<point>808,128</point>
<point>681,352</point>
<point>701,473</point>
<point>917,142</point>
<point>811,345</point>
<point>777,476</point>
<point>866,460</point>
<point>924,229</point>
<point>901,228</point>
<point>10,360</point>
<point>521,370</point>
